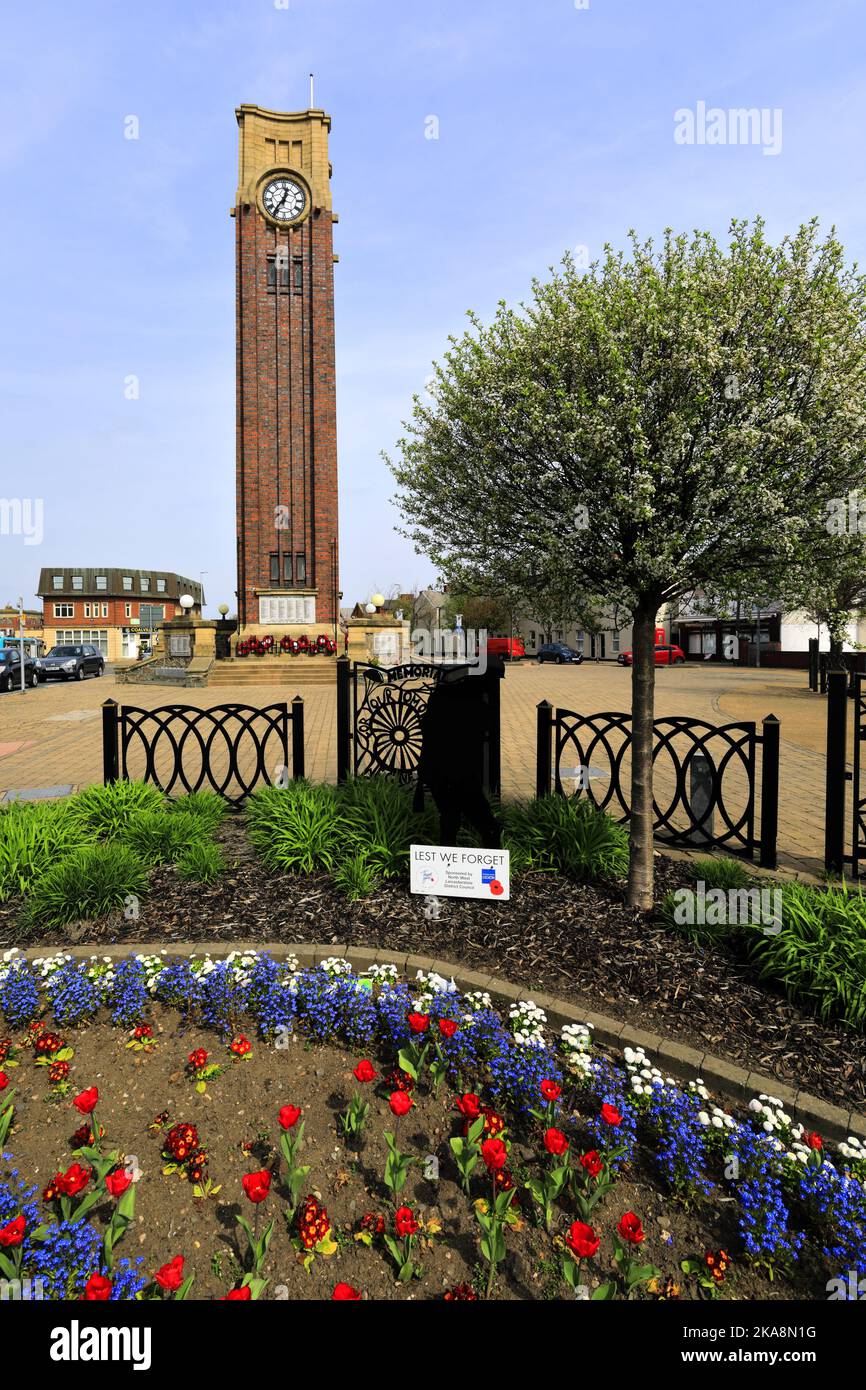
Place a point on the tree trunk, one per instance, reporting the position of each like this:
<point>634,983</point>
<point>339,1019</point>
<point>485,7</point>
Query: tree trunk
<point>643,674</point>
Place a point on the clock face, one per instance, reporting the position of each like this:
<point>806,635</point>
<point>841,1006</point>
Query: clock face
<point>284,200</point>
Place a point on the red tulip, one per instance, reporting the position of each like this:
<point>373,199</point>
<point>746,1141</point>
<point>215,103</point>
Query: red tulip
<point>550,1090</point>
<point>495,1154</point>
<point>400,1103</point>
<point>630,1228</point>
<point>4,1081</point>
<point>117,1182</point>
<point>469,1105</point>
<point>73,1181</point>
<point>170,1277</point>
<point>610,1114</point>
<point>97,1289</point>
<point>582,1240</point>
<point>365,1071</point>
<point>447,1027</point>
<point>419,1023</point>
<point>12,1233</point>
<point>344,1293</point>
<point>86,1101</point>
<point>555,1142</point>
<point>289,1116</point>
<point>591,1163</point>
<point>404,1222</point>
<point>237,1295</point>
<point>812,1140</point>
<point>257,1185</point>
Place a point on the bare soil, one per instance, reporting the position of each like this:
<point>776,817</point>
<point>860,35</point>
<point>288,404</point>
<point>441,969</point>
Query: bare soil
<point>241,1107</point>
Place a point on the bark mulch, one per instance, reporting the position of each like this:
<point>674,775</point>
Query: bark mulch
<point>579,941</point>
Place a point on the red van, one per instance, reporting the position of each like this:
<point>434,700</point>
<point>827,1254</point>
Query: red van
<point>509,648</point>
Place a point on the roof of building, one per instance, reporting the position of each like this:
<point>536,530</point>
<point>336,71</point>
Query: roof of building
<point>175,584</point>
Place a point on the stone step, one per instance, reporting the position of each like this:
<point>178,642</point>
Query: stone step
<point>288,671</point>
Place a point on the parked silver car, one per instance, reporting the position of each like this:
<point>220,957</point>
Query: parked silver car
<point>70,663</point>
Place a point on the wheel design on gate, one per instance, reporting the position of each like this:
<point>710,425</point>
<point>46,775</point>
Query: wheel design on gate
<point>388,714</point>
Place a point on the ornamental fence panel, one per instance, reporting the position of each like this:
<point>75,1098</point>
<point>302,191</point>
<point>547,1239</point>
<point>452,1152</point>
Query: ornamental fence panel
<point>705,776</point>
<point>229,749</point>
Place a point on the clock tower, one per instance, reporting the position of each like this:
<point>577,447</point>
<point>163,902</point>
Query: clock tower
<point>286,399</point>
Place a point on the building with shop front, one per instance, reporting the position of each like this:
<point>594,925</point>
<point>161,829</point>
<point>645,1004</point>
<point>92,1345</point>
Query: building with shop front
<point>117,610</point>
<point>11,626</point>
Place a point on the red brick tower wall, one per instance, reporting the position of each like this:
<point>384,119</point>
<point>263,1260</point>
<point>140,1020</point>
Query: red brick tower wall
<point>286,389</point>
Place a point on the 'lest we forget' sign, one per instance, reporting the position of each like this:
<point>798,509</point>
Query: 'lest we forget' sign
<point>451,871</point>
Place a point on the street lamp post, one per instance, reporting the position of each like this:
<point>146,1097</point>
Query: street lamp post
<point>21,639</point>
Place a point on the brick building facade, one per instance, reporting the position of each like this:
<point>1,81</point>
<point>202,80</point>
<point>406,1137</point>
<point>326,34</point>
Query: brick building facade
<point>287,556</point>
<point>117,610</point>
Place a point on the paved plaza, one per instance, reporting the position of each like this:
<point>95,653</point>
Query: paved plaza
<point>51,737</point>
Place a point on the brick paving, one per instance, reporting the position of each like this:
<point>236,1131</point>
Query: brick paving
<point>51,736</point>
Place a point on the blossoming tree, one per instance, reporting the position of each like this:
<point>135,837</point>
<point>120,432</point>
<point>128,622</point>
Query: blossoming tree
<point>673,420</point>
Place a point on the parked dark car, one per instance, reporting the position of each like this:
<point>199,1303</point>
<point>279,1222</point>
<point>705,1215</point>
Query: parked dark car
<point>70,663</point>
<point>10,669</point>
<point>558,652</point>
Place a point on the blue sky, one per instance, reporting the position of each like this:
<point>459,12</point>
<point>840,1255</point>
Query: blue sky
<point>555,131</point>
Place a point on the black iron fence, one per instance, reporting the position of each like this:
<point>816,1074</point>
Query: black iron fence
<point>229,749</point>
<point>836,857</point>
<point>704,775</point>
<point>822,664</point>
<point>379,713</point>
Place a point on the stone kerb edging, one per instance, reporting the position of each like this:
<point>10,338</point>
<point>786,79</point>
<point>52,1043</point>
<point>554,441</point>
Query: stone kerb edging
<point>725,1078</point>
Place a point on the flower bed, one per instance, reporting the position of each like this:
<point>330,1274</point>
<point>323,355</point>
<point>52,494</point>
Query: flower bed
<point>242,1128</point>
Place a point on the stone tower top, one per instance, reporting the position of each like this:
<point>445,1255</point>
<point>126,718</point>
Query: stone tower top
<point>284,142</point>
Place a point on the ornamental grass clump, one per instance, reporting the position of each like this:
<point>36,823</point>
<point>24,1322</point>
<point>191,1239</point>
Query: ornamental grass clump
<point>298,828</point>
<point>208,808</point>
<point>88,883</point>
<point>565,835</point>
<point>33,837</point>
<point>106,811</point>
<point>201,862</point>
<point>381,823</point>
<point>819,956</point>
<point>161,838</point>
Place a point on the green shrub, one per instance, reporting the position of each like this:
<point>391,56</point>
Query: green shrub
<point>299,828</point>
<point>704,933</point>
<point>720,873</point>
<point>567,835</point>
<point>380,823</point>
<point>107,810</point>
<point>33,836</point>
<point>88,883</point>
<point>209,808</point>
<point>202,862</point>
<point>819,956</point>
<point>728,875</point>
<point>160,838</point>
<point>356,876</point>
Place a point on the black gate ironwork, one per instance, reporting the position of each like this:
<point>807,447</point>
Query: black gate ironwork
<point>835,857</point>
<point>700,771</point>
<point>379,713</point>
<point>228,749</point>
